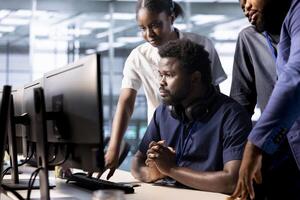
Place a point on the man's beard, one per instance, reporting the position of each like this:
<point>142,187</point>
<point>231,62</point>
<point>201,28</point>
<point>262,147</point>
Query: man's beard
<point>176,98</point>
<point>272,24</point>
<point>260,24</point>
<point>272,17</point>
<point>172,100</point>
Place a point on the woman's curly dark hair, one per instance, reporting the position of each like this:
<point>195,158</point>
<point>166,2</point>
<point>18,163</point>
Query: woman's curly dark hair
<point>192,56</point>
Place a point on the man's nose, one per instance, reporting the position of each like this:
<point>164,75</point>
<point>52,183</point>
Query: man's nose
<point>162,80</point>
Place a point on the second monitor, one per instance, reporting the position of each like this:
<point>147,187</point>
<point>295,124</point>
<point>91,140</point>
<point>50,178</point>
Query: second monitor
<point>73,96</point>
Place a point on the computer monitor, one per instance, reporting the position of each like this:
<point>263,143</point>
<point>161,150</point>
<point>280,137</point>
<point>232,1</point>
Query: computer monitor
<point>4,119</point>
<point>20,119</point>
<point>28,107</point>
<point>16,120</point>
<point>73,94</point>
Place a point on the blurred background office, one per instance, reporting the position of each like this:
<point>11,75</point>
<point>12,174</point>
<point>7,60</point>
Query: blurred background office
<point>37,36</point>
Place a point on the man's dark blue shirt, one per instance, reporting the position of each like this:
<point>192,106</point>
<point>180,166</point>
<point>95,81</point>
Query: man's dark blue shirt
<point>203,146</point>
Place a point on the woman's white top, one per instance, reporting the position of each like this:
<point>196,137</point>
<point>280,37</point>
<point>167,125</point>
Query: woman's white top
<point>141,69</point>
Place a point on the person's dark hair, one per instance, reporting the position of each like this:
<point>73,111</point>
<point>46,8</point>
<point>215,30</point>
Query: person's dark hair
<point>168,6</point>
<point>192,56</point>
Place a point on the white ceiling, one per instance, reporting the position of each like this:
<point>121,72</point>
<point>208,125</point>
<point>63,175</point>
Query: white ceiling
<point>87,23</point>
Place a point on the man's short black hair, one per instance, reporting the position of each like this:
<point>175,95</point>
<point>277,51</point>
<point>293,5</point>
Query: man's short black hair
<point>192,56</point>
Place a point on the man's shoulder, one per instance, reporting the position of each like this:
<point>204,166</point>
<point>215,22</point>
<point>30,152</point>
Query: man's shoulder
<point>163,117</point>
<point>249,29</point>
<point>230,105</point>
<point>234,114</point>
<point>250,32</point>
<point>162,109</point>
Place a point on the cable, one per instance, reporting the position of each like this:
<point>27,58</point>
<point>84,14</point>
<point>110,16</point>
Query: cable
<point>65,157</point>
<point>19,165</point>
<point>31,181</point>
<point>25,161</point>
<point>12,191</point>
<point>55,154</point>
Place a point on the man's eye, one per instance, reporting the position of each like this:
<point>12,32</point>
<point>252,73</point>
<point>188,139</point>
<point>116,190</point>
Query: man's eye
<point>142,28</point>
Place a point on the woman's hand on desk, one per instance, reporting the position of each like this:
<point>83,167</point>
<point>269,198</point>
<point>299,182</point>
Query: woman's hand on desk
<point>111,162</point>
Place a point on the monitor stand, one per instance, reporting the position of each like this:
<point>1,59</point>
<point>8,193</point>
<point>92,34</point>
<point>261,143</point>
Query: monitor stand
<point>4,114</point>
<point>12,145</point>
<point>41,144</point>
<point>15,183</point>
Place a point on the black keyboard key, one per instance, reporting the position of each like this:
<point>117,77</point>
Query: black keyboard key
<point>92,183</point>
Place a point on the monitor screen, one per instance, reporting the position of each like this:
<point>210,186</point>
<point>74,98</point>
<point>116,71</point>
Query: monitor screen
<point>74,93</point>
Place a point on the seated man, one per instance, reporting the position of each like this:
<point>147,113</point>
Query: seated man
<point>197,135</point>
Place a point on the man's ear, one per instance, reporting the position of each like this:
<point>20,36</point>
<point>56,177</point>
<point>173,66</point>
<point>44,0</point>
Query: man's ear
<point>196,77</point>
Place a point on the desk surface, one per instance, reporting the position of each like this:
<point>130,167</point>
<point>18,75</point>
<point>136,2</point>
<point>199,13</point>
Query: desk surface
<point>143,192</point>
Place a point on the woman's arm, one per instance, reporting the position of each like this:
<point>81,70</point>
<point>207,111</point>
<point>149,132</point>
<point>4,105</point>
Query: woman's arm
<point>121,119</point>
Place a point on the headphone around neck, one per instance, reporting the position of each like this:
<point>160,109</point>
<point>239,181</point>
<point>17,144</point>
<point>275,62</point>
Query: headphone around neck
<point>198,110</point>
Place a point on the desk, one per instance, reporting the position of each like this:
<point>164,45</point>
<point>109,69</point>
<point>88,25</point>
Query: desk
<point>143,192</point>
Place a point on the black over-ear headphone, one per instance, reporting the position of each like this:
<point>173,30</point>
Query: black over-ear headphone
<point>199,110</point>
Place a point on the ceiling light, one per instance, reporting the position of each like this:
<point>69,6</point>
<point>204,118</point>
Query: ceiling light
<point>90,51</point>
<point>4,13</point>
<point>22,13</point>
<point>129,39</point>
<point>14,21</point>
<point>96,24</point>
<point>41,30</point>
<point>78,32</point>
<point>43,14</point>
<point>41,44</point>
<point>7,29</point>
<point>102,34</point>
<point>118,29</point>
<point>105,46</point>
<point>61,37</point>
<point>120,16</point>
<point>205,19</point>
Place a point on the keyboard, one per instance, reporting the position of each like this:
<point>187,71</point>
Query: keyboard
<point>91,183</point>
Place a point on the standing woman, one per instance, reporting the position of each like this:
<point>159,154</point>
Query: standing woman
<point>155,19</point>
